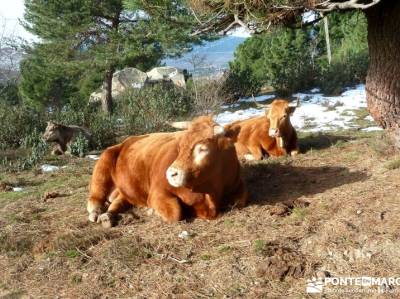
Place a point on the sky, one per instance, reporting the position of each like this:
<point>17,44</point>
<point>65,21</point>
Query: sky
<point>10,12</point>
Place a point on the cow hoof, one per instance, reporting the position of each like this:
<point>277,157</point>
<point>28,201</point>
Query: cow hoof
<point>93,216</point>
<point>249,157</point>
<point>149,212</point>
<point>106,220</point>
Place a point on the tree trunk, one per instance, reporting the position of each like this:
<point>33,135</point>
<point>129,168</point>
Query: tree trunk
<point>383,79</point>
<point>107,100</point>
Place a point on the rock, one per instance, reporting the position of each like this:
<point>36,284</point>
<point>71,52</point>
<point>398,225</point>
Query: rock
<point>49,168</point>
<point>167,73</point>
<point>184,235</point>
<point>96,96</point>
<point>93,157</point>
<point>127,78</point>
<point>133,78</point>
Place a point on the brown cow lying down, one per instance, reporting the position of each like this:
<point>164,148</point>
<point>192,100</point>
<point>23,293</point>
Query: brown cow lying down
<point>271,134</point>
<point>195,171</point>
<point>63,135</point>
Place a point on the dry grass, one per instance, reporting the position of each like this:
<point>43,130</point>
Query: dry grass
<point>341,217</point>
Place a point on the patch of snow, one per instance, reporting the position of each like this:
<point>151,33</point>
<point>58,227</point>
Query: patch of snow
<point>227,117</point>
<point>315,90</point>
<point>309,16</point>
<point>257,98</point>
<point>49,168</point>
<point>17,189</point>
<point>371,129</point>
<point>239,32</point>
<point>227,106</point>
<point>93,157</point>
<point>316,112</point>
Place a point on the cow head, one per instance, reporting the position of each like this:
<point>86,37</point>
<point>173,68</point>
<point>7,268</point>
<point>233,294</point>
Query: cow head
<point>279,117</point>
<point>53,132</point>
<point>199,149</point>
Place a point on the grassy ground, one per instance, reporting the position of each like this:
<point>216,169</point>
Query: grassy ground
<point>333,210</point>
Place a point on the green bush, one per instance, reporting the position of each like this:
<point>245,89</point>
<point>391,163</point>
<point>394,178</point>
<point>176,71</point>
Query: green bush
<point>79,147</point>
<point>350,54</point>
<point>38,150</point>
<point>103,129</point>
<point>9,92</point>
<point>290,60</point>
<point>148,109</point>
<point>281,59</point>
<point>18,122</point>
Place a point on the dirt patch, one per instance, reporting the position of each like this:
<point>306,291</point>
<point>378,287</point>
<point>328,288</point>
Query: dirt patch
<point>282,262</point>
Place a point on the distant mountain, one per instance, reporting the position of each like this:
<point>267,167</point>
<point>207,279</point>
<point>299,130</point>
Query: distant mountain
<point>216,54</point>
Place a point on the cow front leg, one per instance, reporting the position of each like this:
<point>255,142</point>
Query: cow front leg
<point>207,208</point>
<point>256,152</point>
<point>240,196</point>
<point>119,204</point>
<point>166,206</point>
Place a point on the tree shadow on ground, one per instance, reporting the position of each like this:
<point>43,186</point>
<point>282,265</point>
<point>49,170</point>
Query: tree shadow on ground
<point>269,183</point>
<point>321,141</point>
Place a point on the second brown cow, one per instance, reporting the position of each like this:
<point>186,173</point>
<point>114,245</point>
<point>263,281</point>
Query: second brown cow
<point>271,134</point>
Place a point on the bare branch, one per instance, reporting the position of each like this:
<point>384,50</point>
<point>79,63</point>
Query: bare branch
<point>351,4</point>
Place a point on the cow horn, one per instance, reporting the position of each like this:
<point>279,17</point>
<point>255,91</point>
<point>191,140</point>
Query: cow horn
<point>266,106</point>
<point>295,105</point>
<point>180,124</point>
<point>219,130</point>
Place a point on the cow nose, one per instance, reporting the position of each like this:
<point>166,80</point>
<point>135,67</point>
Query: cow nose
<point>172,172</point>
<point>175,177</point>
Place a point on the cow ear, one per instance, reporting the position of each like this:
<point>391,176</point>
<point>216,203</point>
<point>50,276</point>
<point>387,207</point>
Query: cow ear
<point>232,133</point>
<point>219,130</point>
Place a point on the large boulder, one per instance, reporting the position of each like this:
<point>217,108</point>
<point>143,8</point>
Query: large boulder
<point>127,78</point>
<point>133,78</point>
<point>167,73</point>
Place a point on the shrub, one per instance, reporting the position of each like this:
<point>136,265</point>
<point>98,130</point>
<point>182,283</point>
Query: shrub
<point>290,60</point>
<point>281,59</point>
<point>79,147</point>
<point>37,150</point>
<point>18,122</point>
<point>350,54</point>
<point>9,92</point>
<point>148,109</point>
<point>208,94</point>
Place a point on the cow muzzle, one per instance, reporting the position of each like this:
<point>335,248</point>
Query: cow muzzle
<point>273,133</point>
<point>176,177</point>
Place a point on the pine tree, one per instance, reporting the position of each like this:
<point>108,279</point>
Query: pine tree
<point>91,39</point>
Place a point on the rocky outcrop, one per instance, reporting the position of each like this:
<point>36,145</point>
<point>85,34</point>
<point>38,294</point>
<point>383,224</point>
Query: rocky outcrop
<point>134,78</point>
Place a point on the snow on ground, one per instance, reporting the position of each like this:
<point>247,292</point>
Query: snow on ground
<point>93,157</point>
<point>49,168</point>
<point>316,112</point>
